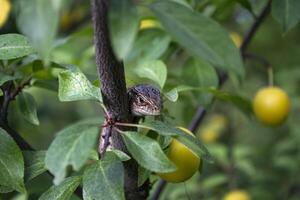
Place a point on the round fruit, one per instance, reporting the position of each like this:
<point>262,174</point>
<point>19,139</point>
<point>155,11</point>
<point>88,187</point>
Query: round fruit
<point>186,161</point>
<point>271,105</point>
<point>213,129</point>
<point>4,11</point>
<point>237,195</point>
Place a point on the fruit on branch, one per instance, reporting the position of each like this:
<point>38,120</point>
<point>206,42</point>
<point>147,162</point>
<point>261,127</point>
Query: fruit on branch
<point>237,195</point>
<point>213,129</point>
<point>4,11</point>
<point>271,105</point>
<point>186,161</point>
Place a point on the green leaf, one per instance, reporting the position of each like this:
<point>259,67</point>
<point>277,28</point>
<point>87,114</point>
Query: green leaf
<point>121,155</point>
<point>242,103</point>
<point>38,20</point>
<point>27,106</point>
<point>191,142</point>
<point>72,146</point>
<point>200,74</point>
<point>104,179</point>
<point>14,46</point>
<point>172,95</point>
<point>246,4</point>
<point>286,12</point>
<point>147,152</point>
<point>74,86</point>
<point>149,45</point>
<point>62,191</point>
<point>154,70</point>
<point>4,78</point>
<point>143,175</point>
<point>201,36</point>
<point>34,163</point>
<point>4,189</point>
<point>123,24</point>
<point>11,163</point>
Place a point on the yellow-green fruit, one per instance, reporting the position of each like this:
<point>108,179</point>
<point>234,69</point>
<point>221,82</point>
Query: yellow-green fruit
<point>271,105</point>
<point>4,11</point>
<point>213,129</point>
<point>186,161</point>
<point>237,195</point>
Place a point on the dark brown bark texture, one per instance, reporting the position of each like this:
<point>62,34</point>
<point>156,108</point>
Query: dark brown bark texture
<point>114,93</point>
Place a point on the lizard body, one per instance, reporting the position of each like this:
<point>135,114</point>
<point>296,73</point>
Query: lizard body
<point>144,100</point>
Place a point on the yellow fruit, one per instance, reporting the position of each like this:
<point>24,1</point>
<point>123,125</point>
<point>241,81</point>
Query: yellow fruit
<point>186,161</point>
<point>219,120</point>
<point>236,38</point>
<point>213,129</point>
<point>237,195</point>
<point>4,11</point>
<point>148,23</point>
<point>271,105</point>
<point>208,135</point>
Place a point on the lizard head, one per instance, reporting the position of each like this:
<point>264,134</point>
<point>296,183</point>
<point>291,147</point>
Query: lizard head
<point>145,100</point>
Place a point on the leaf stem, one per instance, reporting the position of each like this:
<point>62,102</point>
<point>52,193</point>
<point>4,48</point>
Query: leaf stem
<point>270,76</point>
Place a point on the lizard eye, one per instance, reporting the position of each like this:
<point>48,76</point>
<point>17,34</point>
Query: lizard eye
<point>141,101</point>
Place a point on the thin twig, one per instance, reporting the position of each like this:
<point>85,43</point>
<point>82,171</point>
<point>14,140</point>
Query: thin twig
<point>254,27</point>
<point>257,58</point>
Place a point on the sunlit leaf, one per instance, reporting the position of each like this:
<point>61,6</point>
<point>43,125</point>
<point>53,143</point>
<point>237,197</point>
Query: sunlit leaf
<point>154,70</point>
<point>34,163</point>
<point>74,86</point>
<point>104,179</point>
<point>211,43</point>
<point>167,129</point>
<point>147,152</point>
<point>62,191</point>
<point>72,146</point>
<point>14,46</point>
<point>27,106</point>
<point>11,163</point>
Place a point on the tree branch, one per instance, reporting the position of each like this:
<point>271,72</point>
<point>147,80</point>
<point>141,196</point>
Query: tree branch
<point>201,111</point>
<point>254,27</point>
<point>114,92</point>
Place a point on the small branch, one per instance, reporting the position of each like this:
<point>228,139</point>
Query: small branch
<point>160,187</point>
<point>254,27</point>
<point>197,119</point>
<point>257,58</point>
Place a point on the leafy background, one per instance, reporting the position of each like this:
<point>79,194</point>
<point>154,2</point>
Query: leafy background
<point>266,159</point>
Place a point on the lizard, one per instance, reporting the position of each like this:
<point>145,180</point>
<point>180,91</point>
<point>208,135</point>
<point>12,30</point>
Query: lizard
<point>144,100</point>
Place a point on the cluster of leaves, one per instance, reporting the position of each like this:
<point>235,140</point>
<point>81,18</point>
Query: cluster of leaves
<point>184,37</point>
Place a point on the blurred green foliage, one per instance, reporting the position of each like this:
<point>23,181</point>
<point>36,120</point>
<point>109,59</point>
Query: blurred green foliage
<point>264,161</point>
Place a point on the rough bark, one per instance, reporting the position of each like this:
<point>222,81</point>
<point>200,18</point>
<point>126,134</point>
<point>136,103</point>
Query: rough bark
<point>113,88</point>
